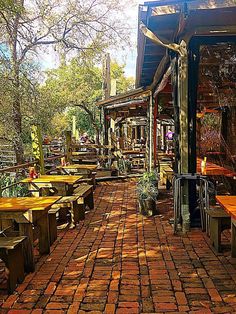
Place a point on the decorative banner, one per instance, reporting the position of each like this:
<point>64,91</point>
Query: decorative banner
<point>37,146</point>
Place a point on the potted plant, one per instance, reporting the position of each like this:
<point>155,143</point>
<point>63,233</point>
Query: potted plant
<point>147,194</point>
<point>151,177</point>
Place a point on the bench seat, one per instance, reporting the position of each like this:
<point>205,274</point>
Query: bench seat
<point>12,254</point>
<point>167,175</point>
<point>63,204</point>
<point>52,220</point>
<point>88,178</point>
<point>85,192</point>
<point>219,220</point>
<point>83,196</point>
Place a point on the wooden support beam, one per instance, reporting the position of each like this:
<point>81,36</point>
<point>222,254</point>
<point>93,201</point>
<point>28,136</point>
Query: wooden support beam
<point>184,149</point>
<point>68,145</point>
<point>155,131</point>
<point>37,144</point>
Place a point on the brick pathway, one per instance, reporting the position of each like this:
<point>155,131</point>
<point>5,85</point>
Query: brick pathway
<point>118,261</point>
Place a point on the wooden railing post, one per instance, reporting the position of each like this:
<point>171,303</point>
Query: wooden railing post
<point>37,144</point>
<point>68,145</point>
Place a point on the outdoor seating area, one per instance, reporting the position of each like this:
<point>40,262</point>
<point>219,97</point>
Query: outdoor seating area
<point>119,261</point>
<point>53,200</point>
<point>118,193</point>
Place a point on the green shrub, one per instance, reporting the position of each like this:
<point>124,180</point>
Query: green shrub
<point>13,190</point>
<point>147,186</point>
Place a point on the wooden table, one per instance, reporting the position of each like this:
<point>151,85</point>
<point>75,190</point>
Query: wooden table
<point>27,211</point>
<point>88,169</point>
<point>228,203</point>
<point>62,183</point>
<point>132,152</point>
<point>213,169</point>
<point>83,154</point>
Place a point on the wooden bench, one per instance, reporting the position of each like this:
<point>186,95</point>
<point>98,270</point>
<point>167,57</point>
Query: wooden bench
<point>12,255</point>
<point>85,192</point>
<point>52,220</point>
<point>89,178</point>
<point>70,203</point>
<point>219,220</point>
<point>167,174</point>
<point>83,195</point>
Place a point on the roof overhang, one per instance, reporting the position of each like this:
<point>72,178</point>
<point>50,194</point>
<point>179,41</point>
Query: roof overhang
<point>130,95</point>
<point>174,20</point>
<point>131,104</point>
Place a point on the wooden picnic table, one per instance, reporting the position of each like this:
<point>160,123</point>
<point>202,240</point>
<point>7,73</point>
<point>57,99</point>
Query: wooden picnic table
<point>77,168</point>
<point>63,184</point>
<point>228,203</point>
<point>27,211</point>
<point>82,154</point>
<point>212,169</point>
<point>132,152</point>
<point>89,145</point>
<point>215,153</point>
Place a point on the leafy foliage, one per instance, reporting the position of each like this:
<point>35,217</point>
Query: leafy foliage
<point>27,28</point>
<point>147,190</point>
<point>14,189</point>
<point>147,186</point>
<point>74,88</point>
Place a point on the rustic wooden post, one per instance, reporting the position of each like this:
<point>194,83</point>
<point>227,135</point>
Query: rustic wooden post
<point>106,128</point>
<point>74,126</point>
<point>37,144</point>
<point>151,143</point>
<point>135,133</point>
<point>142,131</point>
<point>106,94</point>
<point>184,149</point>
<point>155,131</point>
<point>68,145</point>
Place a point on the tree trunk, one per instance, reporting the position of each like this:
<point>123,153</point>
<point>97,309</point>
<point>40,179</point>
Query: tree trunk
<point>16,108</point>
<point>17,118</point>
<point>97,130</point>
<point>97,136</point>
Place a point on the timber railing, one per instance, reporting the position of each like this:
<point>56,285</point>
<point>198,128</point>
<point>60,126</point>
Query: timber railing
<point>17,174</point>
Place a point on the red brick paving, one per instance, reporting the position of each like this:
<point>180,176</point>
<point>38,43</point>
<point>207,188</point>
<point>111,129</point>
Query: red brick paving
<point>118,261</point>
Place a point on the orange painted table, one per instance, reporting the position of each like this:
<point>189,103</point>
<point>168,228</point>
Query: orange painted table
<point>27,211</point>
<point>213,169</point>
<point>228,203</point>
<point>62,184</point>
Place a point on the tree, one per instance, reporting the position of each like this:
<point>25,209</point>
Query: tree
<point>88,25</point>
<point>78,86</point>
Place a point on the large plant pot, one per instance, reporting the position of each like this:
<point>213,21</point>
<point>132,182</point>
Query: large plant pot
<point>147,207</point>
<point>114,172</point>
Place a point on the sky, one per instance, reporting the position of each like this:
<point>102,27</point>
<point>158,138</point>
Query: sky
<point>128,57</point>
<point>130,68</point>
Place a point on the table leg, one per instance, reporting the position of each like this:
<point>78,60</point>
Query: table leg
<point>70,189</point>
<point>44,238</point>
<point>27,230</point>
<point>89,201</point>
